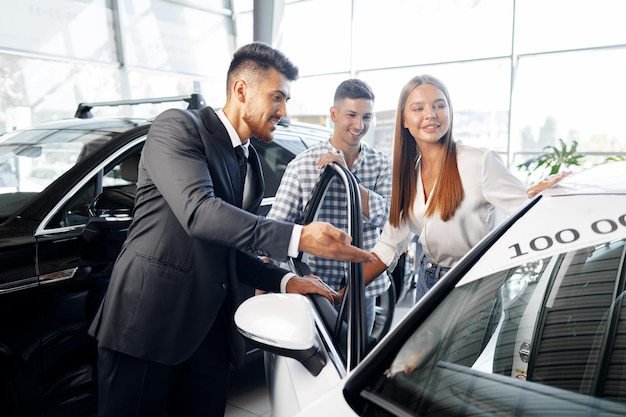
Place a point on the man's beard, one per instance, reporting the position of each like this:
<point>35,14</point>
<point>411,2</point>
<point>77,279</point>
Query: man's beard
<point>259,128</point>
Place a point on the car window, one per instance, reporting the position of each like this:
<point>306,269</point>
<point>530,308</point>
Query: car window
<point>31,160</point>
<point>25,170</point>
<point>274,159</point>
<point>558,322</point>
<point>76,210</point>
<point>118,189</point>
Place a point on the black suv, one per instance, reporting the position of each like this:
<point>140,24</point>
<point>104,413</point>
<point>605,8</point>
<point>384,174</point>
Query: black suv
<point>66,196</point>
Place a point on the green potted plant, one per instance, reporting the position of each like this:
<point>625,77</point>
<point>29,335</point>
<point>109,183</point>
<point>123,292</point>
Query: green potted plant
<point>553,160</point>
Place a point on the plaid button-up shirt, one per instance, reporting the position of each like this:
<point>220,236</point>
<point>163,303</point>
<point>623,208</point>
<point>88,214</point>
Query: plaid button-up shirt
<point>373,169</point>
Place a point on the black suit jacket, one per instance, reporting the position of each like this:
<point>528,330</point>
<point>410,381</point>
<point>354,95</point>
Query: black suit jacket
<point>186,252</point>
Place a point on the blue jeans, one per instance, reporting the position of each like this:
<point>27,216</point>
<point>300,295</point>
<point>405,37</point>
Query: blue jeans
<point>428,273</point>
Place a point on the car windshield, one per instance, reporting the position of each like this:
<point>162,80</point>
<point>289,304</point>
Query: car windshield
<point>544,306</point>
<point>31,159</point>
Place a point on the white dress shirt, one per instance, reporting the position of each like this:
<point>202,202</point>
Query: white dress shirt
<point>489,187</point>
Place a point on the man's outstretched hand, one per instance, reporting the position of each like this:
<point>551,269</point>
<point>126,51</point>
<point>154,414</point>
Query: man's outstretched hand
<point>310,284</point>
<point>326,241</point>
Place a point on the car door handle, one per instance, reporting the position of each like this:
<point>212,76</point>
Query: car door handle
<point>58,275</point>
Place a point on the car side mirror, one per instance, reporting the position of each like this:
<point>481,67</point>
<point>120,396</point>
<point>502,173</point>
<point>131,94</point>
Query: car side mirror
<point>282,324</point>
<point>106,230</point>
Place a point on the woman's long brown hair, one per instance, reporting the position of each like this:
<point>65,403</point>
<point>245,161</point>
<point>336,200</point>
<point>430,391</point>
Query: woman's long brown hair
<point>448,193</point>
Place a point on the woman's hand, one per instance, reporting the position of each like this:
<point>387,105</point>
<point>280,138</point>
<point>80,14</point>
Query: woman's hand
<point>547,182</point>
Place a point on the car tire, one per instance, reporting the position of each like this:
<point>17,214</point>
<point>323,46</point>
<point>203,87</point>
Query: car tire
<point>385,308</point>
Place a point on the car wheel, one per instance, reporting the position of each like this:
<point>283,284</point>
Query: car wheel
<point>385,308</point>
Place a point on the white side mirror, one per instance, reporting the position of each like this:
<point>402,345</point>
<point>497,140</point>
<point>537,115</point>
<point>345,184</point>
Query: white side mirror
<point>280,320</point>
<point>282,324</point>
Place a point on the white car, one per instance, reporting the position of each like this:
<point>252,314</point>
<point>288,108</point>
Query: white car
<point>531,322</point>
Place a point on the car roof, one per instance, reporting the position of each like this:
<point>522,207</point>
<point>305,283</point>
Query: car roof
<point>54,129</point>
<point>301,127</point>
<point>100,123</point>
<point>607,178</point>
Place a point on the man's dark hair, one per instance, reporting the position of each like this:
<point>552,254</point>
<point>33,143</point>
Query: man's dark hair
<point>354,89</point>
<point>260,56</point>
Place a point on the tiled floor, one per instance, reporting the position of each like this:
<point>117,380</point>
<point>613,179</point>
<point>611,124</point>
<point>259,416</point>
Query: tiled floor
<point>248,394</point>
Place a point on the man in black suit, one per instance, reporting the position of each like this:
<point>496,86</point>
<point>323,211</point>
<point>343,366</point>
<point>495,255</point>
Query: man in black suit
<point>165,330</point>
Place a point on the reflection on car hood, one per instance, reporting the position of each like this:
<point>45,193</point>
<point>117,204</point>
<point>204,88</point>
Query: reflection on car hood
<point>600,179</point>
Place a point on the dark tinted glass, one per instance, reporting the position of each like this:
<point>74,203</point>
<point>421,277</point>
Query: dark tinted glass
<point>540,338</point>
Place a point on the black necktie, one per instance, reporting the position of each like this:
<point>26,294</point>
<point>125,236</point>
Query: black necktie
<point>242,161</point>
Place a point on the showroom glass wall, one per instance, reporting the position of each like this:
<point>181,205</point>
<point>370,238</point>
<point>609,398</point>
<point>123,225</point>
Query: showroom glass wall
<point>55,54</point>
<point>565,57</point>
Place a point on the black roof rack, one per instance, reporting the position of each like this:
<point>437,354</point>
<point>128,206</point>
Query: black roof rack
<point>195,100</point>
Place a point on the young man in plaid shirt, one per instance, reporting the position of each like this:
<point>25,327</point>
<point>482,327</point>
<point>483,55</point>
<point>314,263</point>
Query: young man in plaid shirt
<point>352,114</point>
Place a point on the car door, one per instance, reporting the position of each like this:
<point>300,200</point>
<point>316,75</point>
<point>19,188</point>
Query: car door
<point>19,316</point>
<point>339,341</point>
<point>73,271</point>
